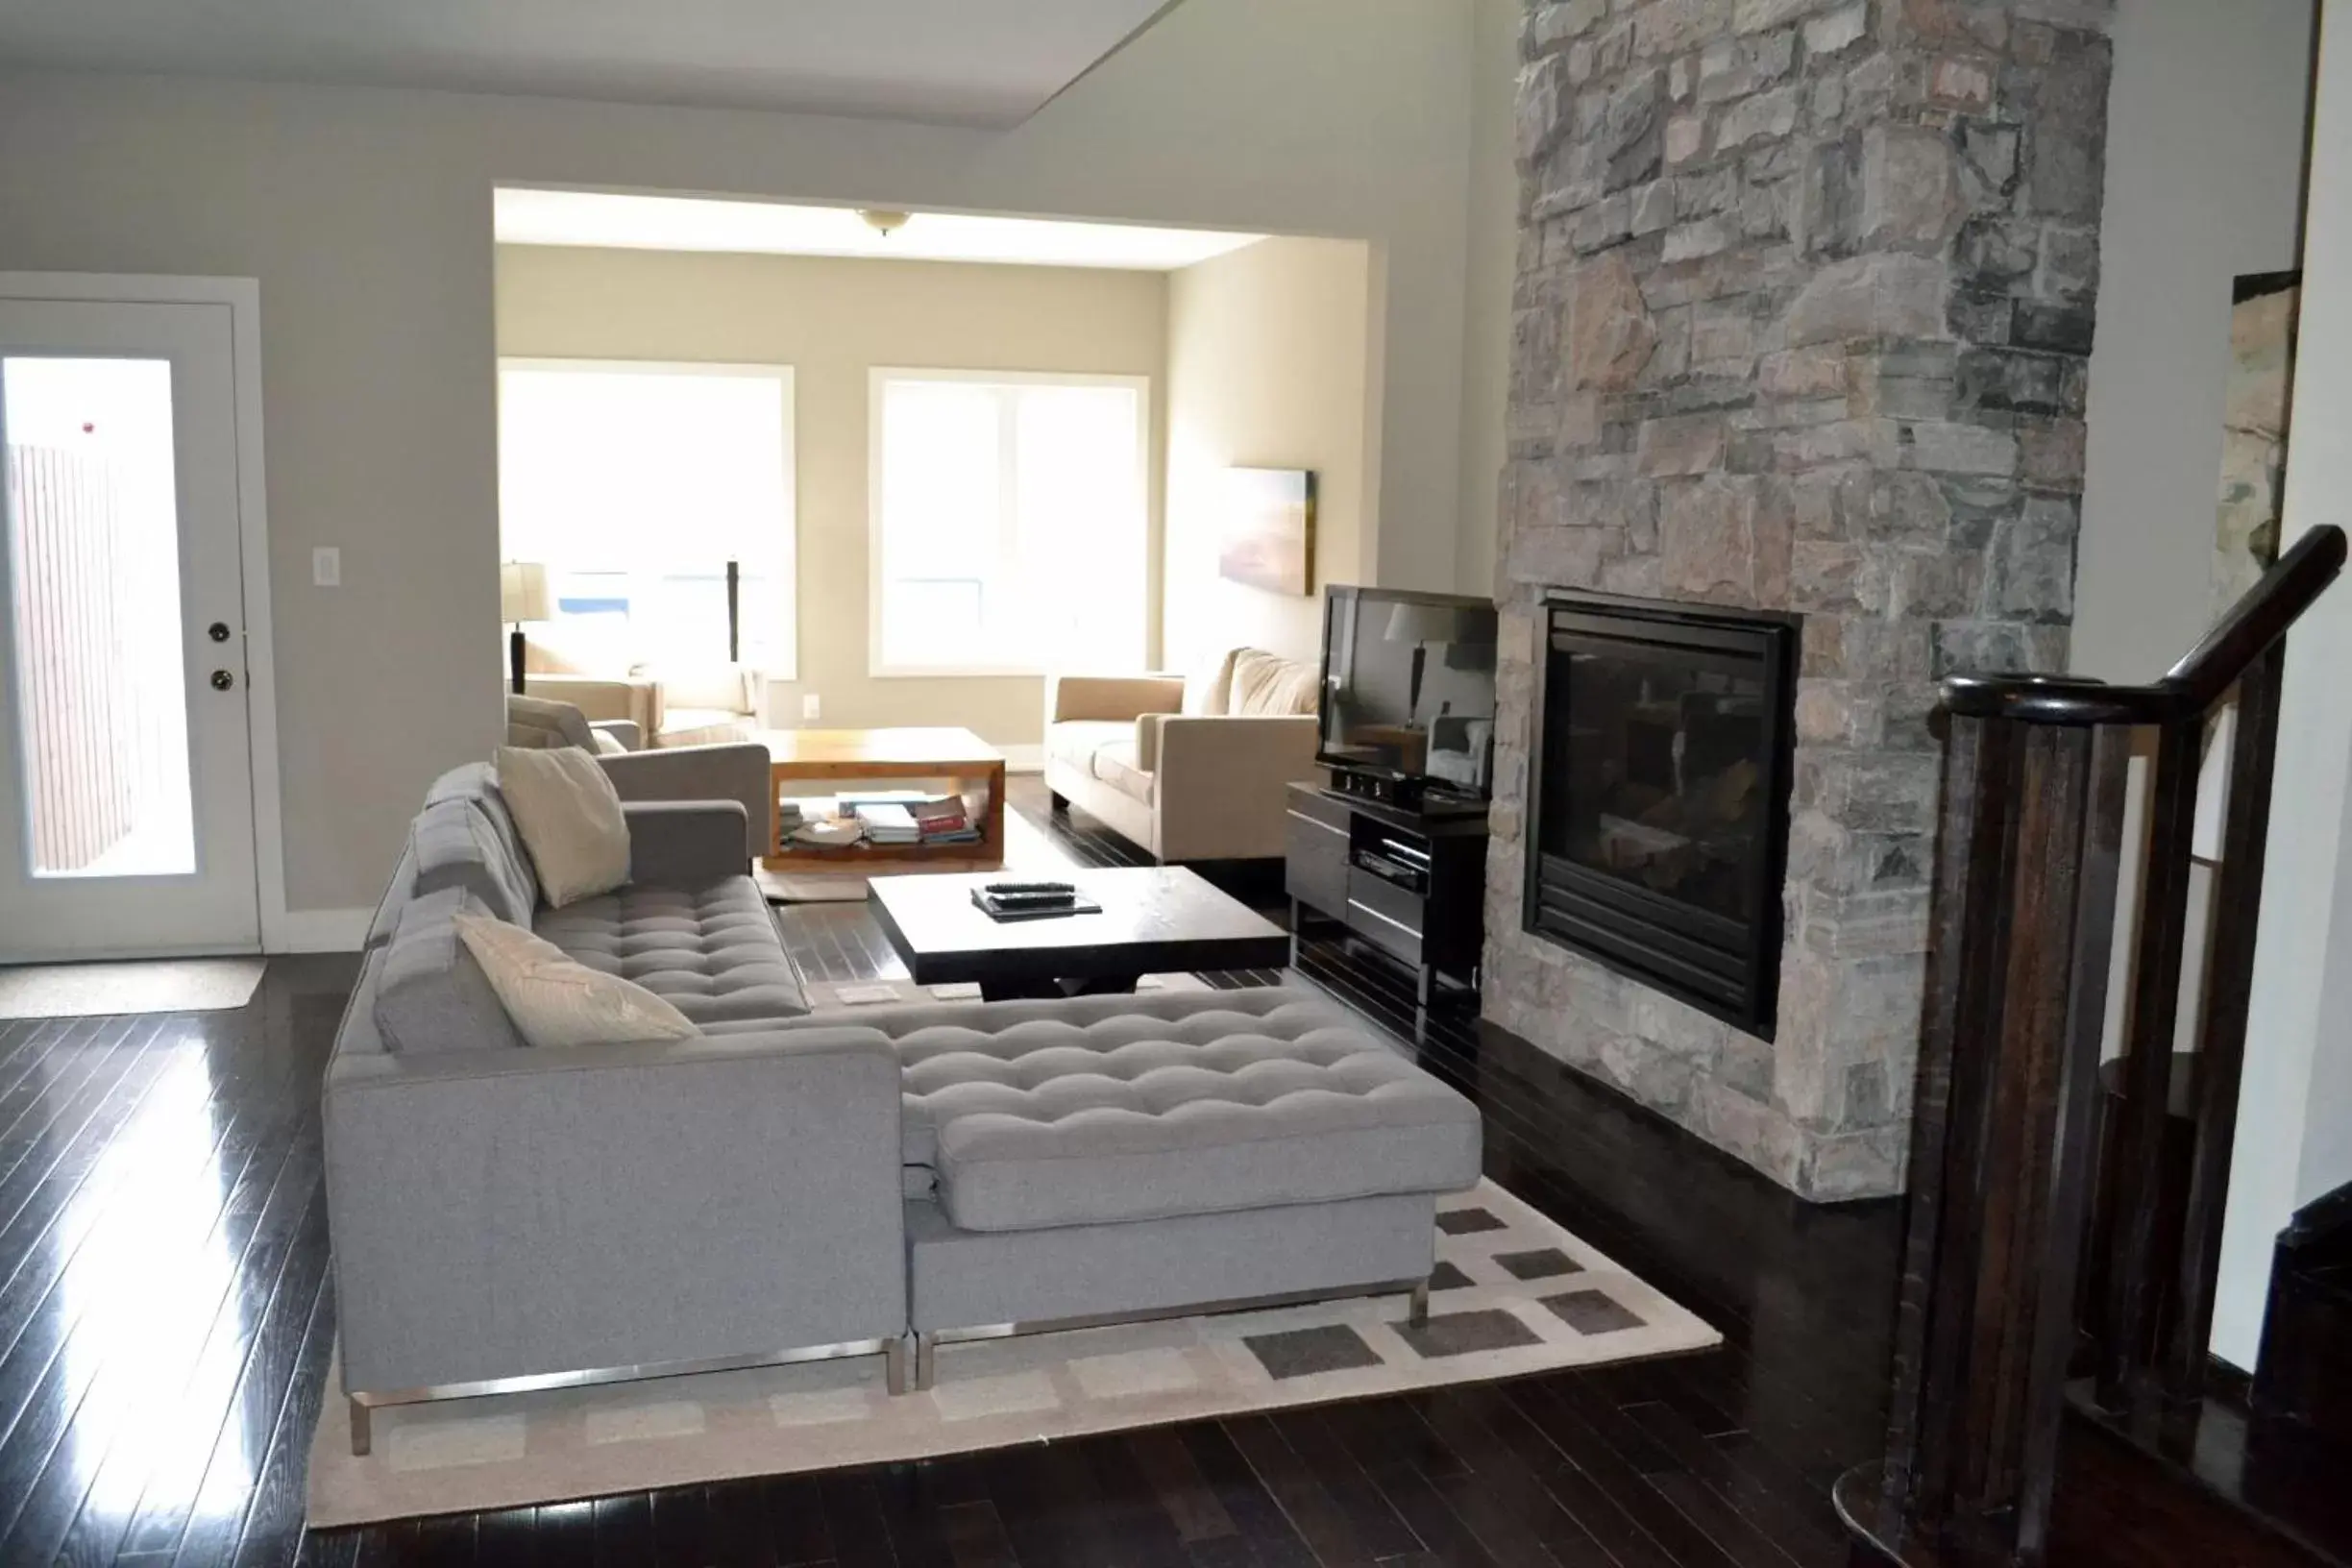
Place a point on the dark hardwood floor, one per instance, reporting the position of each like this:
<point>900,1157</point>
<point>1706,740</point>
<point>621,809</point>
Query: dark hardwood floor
<point>166,1322</point>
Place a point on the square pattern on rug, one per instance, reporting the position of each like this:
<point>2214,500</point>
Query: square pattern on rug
<point>1511,1294</point>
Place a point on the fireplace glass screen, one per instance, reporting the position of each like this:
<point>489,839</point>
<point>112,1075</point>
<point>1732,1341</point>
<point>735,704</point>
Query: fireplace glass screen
<point>1662,803</point>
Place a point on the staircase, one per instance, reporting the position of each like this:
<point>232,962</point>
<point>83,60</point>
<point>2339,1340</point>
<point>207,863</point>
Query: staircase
<point>2027,1422</point>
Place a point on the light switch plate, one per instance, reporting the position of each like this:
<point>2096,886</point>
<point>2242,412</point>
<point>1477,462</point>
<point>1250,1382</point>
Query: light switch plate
<point>810,707</point>
<point>327,567</point>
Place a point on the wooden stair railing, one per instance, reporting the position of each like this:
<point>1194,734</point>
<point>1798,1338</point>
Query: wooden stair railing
<point>2031,848</point>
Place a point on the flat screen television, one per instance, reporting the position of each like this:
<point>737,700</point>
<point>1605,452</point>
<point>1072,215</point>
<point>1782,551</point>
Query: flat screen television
<point>1409,690</point>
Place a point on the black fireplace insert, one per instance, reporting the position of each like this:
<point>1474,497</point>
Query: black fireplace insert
<point>1659,831</point>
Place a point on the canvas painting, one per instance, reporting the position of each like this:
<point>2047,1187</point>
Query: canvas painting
<point>2254,432</point>
<point>1268,540</point>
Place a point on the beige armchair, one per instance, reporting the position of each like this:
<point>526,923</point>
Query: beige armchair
<point>1189,770</point>
<point>670,706</point>
<point>558,675</point>
<point>709,703</point>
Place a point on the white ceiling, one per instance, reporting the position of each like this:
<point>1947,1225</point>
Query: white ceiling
<point>677,223</point>
<point>982,62</point>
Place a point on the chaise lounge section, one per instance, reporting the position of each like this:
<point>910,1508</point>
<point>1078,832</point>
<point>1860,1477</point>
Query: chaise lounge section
<point>1129,1157</point>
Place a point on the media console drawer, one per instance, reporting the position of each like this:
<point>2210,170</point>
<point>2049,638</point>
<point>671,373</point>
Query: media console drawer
<point>1315,869</point>
<point>1385,915</point>
<point>1401,906</point>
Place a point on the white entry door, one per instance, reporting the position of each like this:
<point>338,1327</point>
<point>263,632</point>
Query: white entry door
<point>126,774</point>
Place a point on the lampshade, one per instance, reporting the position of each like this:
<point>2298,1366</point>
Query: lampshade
<point>1409,623</point>
<point>522,592</point>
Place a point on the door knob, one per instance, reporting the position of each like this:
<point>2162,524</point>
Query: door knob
<point>222,680</point>
<point>218,631</point>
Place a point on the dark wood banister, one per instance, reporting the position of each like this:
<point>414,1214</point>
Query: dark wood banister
<point>2004,1138</point>
<point>2190,688</point>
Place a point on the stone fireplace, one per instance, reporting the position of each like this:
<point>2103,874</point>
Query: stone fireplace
<point>1802,326</point>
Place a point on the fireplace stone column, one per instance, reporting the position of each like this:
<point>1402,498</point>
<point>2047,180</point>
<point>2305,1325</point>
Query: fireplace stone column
<point>1803,322</point>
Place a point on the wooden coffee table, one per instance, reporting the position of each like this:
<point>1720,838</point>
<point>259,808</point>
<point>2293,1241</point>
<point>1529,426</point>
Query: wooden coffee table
<point>845,755</point>
<point>1154,920</point>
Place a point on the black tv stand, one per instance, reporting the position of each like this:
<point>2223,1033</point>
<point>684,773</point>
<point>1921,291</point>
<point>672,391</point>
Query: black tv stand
<point>1411,883</point>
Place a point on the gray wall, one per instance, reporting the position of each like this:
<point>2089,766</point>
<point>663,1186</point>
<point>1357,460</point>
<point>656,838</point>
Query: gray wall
<point>2205,137</point>
<point>1493,264</point>
<point>366,216</point>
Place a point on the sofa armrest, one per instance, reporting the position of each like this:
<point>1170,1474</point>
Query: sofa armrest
<point>1220,782</point>
<point>686,843</point>
<point>736,770</point>
<point>1115,697</point>
<point>516,1212</point>
<point>632,698</point>
<point>624,730</point>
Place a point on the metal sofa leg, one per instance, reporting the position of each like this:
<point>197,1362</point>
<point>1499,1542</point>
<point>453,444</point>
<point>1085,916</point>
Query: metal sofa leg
<point>926,1361</point>
<point>1417,1313</point>
<point>362,1437</point>
<point>895,1364</point>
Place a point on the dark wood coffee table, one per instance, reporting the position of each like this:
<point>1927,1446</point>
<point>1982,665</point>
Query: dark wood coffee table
<point>1154,920</point>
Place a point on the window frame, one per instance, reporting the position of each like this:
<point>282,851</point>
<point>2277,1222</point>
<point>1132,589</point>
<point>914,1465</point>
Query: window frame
<point>782,662</point>
<point>877,382</point>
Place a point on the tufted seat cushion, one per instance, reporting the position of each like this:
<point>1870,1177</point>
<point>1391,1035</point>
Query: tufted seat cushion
<point>711,952</point>
<point>1138,1109</point>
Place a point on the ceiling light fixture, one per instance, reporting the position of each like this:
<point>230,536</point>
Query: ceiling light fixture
<point>882,221</point>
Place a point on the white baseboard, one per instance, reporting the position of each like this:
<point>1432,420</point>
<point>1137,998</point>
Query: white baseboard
<point>322,931</point>
<point>1023,759</point>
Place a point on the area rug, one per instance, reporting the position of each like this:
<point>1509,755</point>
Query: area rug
<point>76,991</point>
<point>851,996</point>
<point>1513,1294</point>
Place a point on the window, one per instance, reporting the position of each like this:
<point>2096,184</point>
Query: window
<point>636,484</point>
<point>1009,522</point>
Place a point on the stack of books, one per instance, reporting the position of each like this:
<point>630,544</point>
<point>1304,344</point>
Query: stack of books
<point>941,819</point>
<point>886,821</point>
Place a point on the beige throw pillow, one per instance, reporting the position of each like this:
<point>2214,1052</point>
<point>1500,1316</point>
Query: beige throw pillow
<point>570,818</point>
<point>1206,688</point>
<point>557,1001</point>
<point>1266,683</point>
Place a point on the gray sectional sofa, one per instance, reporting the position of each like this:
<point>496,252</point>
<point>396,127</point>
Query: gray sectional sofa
<point>789,1187</point>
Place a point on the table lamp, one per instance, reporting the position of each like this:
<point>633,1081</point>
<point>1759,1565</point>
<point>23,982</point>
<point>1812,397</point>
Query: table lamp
<point>522,595</point>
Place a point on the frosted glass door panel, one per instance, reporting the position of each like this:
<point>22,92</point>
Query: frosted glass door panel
<point>94,557</point>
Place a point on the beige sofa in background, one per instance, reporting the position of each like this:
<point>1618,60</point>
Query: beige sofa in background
<point>1189,770</point>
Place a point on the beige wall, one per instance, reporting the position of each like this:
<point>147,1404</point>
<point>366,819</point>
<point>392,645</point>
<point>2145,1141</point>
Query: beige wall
<point>366,216</point>
<point>1267,368</point>
<point>832,321</point>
